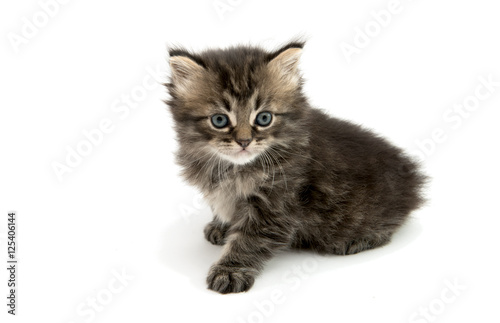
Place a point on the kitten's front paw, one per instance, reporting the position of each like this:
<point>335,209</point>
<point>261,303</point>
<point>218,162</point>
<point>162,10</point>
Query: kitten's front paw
<point>224,279</point>
<point>215,233</point>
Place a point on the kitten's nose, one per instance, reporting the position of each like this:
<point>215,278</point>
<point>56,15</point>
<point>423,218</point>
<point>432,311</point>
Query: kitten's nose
<point>244,142</point>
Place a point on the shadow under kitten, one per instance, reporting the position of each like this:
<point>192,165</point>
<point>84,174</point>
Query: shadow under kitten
<point>185,251</point>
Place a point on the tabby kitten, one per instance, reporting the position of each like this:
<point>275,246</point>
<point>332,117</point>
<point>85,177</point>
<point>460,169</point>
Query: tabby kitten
<point>277,173</point>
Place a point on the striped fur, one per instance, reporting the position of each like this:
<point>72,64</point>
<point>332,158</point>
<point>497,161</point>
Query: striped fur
<point>306,181</point>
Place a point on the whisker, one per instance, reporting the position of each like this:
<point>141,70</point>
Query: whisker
<point>282,171</point>
<point>287,151</point>
<point>270,163</point>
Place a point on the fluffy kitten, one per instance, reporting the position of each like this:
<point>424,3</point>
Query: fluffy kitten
<point>277,173</point>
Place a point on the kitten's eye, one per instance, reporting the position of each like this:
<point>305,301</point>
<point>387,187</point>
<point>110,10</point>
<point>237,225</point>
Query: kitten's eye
<point>219,120</point>
<point>264,119</point>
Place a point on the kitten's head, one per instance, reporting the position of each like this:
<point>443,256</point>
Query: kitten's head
<point>236,103</point>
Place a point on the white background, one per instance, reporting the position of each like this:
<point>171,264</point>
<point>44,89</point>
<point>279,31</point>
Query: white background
<point>124,207</point>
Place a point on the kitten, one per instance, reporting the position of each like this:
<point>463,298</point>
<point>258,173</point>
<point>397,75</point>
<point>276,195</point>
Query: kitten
<point>277,173</point>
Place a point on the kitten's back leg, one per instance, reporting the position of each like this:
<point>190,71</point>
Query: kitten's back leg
<point>361,244</point>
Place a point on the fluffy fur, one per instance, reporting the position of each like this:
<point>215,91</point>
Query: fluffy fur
<point>306,181</point>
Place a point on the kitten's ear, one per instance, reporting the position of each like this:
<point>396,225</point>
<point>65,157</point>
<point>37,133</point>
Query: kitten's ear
<point>284,63</point>
<point>184,69</point>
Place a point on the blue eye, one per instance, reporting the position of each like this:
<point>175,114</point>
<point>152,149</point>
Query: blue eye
<point>264,119</point>
<point>219,120</point>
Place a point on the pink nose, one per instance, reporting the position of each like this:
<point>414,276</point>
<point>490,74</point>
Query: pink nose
<point>244,142</point>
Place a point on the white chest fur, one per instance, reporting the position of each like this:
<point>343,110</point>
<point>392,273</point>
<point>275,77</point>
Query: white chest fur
<point>223,199</point>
